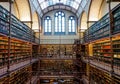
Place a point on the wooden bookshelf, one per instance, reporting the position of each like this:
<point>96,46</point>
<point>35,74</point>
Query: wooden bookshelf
<point>65,51</point>
<point>116,16</point>
<point>20,51</point>
<point>16,49</point>
<point>35,50</point>
<point>102,77</point>
<point>104,48</point>
<point>19,77</point>
<point>3,51</point>
<point>18,28</point>
<point>100,29</point>
<point>105,42</point>
<point>102,51</point>
<point>55,67</point>
<point>21,39</point>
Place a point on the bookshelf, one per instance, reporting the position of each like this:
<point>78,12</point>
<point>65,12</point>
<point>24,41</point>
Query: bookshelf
<point>100,29</point>
<point>116,19</point>
<point>18,29</point>
<point>105,42</point>
<point>20,51</point>
<point>3,51</point>
<point>102,50</point>
<point>19,77</point>
<point>57,67</point>
<point>22,39</point>
<point>35,50</point>
<point>102,77</point>
<point>66,51</point>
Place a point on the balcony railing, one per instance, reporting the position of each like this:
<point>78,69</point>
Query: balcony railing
<point>57,56</point>
<point>16,66</point>
<point>74,74</point>
<point>103,63</point>
<point>100,29</point>
<point>18,29</point>
<point>57,41</point>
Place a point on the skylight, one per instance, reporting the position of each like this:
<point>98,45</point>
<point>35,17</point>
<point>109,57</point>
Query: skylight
<point>73,3</point>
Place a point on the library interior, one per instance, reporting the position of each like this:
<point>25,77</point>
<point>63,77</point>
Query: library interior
<point>59,42</point>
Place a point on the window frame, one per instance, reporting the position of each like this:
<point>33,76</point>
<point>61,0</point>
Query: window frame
<point>59,29</point>
<point>70,29</point>
<point>48,27</point>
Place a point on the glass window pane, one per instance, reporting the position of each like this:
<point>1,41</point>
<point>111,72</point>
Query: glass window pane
<point>72,24</point>
<point>48,25</point>
<point>63,24</point>
<point>60,19</point>
<point>69,25</point>
<point>56,24</point>
<point>45,25</point>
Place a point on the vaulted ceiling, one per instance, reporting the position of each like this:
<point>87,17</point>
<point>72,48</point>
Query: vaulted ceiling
<point>72,3</point>
<point>44,6</point>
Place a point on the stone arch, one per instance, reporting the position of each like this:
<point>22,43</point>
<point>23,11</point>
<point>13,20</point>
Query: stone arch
<point>24,11</point>
<point>94,10</point>
<point>83,22</point>
<point>35,20</point>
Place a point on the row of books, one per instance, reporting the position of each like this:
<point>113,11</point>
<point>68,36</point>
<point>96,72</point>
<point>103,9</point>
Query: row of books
<point>19,51</point>
<point>105,49</point>
<point>18,28</point>
<point>101,28</point>
<point>18,77</point>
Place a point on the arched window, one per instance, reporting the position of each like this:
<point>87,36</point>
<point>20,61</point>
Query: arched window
<point>47,26</point>
<point>72,25</point>
<point>59,23</point>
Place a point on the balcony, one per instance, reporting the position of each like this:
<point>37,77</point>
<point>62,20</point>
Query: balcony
<point>57,56</point>
<point>62,74</point>
<point>16,66</point>
<point>103,64</point>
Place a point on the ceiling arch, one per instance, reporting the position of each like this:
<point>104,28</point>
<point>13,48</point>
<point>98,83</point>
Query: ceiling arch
<point>83,22</point>
<point>59,7</point>
<point>24,7</point>
<point>73,3</point>
<point>35,20</point>
<point>94,10</point>
<point>44,6</point>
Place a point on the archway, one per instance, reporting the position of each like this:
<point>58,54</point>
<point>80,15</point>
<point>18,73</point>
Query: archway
<point>94,11</point>
<point>83,24</point>
<point>24,11</point>
<point>35,20</point>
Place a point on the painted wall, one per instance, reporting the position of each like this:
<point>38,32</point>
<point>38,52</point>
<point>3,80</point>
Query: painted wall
<point>104,8</point>
<point>55,39</point>
<point>6,6</point>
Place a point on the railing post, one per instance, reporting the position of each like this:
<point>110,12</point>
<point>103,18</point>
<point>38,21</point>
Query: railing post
<point>110,37</point>
<point>9,41</point>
